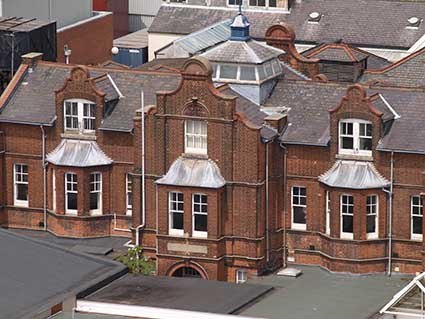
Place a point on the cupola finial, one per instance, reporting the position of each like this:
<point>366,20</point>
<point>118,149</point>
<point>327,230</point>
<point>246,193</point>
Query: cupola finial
<point>239,29</point>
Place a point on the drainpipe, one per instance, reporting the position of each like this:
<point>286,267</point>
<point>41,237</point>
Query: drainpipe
<point>284,205</point>
<point>390,215</point>
<point>267,204</point>
<point>143,173</point>
<point>44,166</point>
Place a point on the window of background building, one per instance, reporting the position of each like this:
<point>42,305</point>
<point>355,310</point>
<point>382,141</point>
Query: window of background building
<point>299,207</point>
<point>79,116</point>
<point>71,193</point>
<point>176,213</point>
<point>129,194</point>
<point>96,193</point>
<point>200,215</point>
<point>372,216</point>
<point>416,209</point>
<point>195,137</point>
<point>347,214</point>
<point>355,137</point>
<point>21,185</point>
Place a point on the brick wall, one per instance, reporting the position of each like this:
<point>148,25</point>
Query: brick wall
<point>90,40</point>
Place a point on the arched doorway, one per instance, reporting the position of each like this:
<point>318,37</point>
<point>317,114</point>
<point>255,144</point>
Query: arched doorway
<point>187,272</point>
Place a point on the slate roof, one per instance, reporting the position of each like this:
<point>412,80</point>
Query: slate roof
<point>36,275</point>
<point>308,116</point>
<point>251,52</point>
<point>408,72</point>
<point>378,23</point>
<point>336,52</point>
<point>33,101</point>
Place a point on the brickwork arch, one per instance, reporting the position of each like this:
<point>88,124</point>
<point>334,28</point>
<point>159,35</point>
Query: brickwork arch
<point>177,266</point>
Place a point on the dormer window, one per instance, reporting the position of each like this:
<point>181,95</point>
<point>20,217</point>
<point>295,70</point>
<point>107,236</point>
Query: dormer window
<point>195,137</point>
<point>79,116</point>
<point>355,137</point>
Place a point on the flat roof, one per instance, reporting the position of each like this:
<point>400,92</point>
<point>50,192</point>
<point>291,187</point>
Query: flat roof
<point>36,275</point>
<point>135,40</point>
<point>320,294</point>
<point>14,24</point>
<point>179,293</point>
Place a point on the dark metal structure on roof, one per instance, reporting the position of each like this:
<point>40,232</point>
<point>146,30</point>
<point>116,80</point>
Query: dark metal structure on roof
<point>20,36</point>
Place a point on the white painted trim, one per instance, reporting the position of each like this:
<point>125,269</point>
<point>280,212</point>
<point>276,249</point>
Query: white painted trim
<point>115,86</point>
<point>17,202</point>
<point>298,226</point>
<point>98,211</point>
<point>173,231</point>
<point>328,212</point>
<point>375,234</point>
<point>227,8</point>
<point>356,138</point>
<point>73,212</point>
<point>345,235</point>
<point>195,233</point>
<point>396,115</point>
<point>147,312</point>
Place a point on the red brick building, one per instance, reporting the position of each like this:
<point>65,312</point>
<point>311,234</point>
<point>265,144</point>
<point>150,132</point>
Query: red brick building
<point>248,162</point>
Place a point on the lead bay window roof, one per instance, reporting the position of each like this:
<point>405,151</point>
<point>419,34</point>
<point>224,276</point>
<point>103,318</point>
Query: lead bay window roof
<point>354,175</point>
<point>194,172</point>
<point>77,153</point>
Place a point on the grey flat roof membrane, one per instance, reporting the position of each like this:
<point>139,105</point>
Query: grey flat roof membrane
<point>78,153</point>
<point>354,175</point>
<point>36,275</point>
<point>179,293</point>
<point>194,172</point>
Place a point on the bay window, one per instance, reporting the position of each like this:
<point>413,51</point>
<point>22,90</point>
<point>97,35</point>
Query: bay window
<point>176,213</point>
<point>372,216</point>
<point>20,185</point>
<point>299,207</point>
<point>416,209</point>
<point>195,137</point>
<point>79,116</point>
<point>328,213</point>
<point>129,194</point>
<point>96,193</point>
<point>355,137</point>
<point>200,215</point>
<point>71,193</point>
<point>347,214</point>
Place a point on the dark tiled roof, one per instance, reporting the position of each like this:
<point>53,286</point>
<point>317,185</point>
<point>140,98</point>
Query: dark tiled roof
<point>242,52</point>
<point>408,72</point>
<point>308,104</point>
<point>336,52</point>
<point>157,64</point>
<point>360,22</point>
<point>308,117</point>
<point>34,99</point>
<point>104,84</point>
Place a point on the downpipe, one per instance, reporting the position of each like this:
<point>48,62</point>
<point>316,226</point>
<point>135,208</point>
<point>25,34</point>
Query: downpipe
<point>44,167</point>
<point>285,253</point>
<point>390,215</point>
<point>267,205</point>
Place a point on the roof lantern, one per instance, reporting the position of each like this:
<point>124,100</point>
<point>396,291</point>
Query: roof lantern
<point>239,29</point>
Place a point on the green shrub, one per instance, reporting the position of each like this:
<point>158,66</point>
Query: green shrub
<point>137,263</point>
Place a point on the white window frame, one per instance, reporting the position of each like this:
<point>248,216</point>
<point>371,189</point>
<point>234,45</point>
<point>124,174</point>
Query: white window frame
<point>346,235</point>
<point>67,210</point>
<point>328,212</point>
<point>233,5</point>
<point>97,189</point>
<point>241,276</point>
<point>54,189</point>
<point>356,137</point>
<point>16,182</point>
<point>197,233</point>
<point>128,192</point>
<point>294,225</point>
<point>412,215</point>
<point>194,135</point>
<point>266,6</point>
<point>374,234</point>
<point>174,231</point>
<point>81,105</point>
